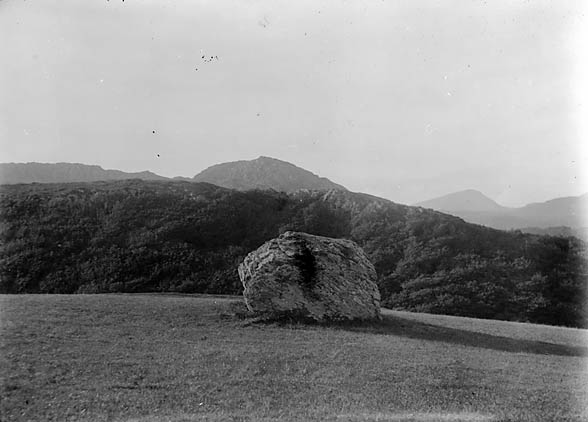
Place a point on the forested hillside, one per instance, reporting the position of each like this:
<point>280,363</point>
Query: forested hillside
<point>137,236</point>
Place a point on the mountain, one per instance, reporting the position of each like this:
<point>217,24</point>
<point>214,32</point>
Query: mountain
<point>570,211</point>
<point>13,173</point>
<point>467,201</point>
<point>556,216</point>
<point>261,173</point>
<point>264,173</point>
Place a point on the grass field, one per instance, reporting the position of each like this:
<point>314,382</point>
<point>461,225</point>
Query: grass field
<point>182,358</point>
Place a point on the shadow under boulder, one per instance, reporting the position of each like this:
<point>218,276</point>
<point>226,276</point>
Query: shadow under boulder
<point>302,276</point>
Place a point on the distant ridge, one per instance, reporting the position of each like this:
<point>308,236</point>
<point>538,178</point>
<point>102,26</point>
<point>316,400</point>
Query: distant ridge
<point>466,200</point>
<point>13,173</point>
<point>261,173</point>
<point>264,173</point>
<point>559,216</point>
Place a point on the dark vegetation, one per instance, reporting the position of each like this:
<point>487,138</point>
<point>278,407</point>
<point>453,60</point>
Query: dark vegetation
<point>137,236</point>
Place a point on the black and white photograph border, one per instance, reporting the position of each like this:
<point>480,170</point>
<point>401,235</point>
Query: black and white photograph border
<point>271,210</point>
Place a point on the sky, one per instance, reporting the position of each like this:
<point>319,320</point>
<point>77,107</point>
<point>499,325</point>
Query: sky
<point>407,100</point>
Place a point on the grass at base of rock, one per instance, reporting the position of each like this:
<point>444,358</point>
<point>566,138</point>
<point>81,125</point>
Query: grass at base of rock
<point>182,358</point>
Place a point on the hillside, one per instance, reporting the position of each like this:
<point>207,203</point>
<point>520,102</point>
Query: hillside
<point>137,236</point>
<point>173,358</point>
<point>13,173</point>
<point>264,173</point>
<point>474,207</point>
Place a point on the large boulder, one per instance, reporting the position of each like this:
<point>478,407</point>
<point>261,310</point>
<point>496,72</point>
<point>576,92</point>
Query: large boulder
<point>304,276</point>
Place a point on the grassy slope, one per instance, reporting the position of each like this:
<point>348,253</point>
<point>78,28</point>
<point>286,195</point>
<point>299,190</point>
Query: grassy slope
<point>180,358</point>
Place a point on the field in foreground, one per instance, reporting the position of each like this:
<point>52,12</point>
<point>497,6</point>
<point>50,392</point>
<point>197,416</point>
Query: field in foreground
<point>182,358</point>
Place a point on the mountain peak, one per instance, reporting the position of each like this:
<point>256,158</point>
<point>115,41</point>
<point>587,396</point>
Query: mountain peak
<point>465,200</point>
<point>266,158</point>
<point>264,173</point>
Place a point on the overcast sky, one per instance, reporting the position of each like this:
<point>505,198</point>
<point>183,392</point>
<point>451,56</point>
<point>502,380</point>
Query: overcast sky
<point>402,99</point>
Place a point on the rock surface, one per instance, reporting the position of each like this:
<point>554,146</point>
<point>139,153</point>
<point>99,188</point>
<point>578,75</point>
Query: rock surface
<point>305,276</point>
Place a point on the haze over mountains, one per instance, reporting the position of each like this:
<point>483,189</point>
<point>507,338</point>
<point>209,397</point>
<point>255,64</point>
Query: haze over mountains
<point>468,201</point>
<point>13,173</point>
<point>261,173</point>
<point>558,215</point>
<point>561,216</point>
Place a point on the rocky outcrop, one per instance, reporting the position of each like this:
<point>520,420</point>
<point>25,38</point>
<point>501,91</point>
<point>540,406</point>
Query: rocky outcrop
<point>305,276</point>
